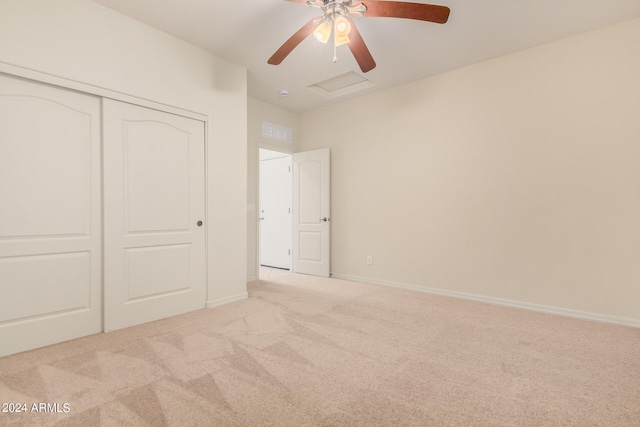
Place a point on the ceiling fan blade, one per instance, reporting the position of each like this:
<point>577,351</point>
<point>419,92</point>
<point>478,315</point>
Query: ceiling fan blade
<point>401,9</point>
<point>360,50</point>
<point>292,43</point>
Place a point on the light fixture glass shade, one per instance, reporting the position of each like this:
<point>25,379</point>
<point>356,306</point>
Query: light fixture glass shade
<point>323,32</point>
<point>342,28</point>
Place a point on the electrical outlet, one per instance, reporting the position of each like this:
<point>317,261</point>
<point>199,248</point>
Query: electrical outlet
<point>369,260</point>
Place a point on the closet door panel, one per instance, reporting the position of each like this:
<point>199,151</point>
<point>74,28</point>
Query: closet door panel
<point>155,264</point>
<point>50,215</point>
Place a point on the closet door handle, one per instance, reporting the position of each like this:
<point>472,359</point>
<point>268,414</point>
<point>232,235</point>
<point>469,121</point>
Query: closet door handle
<point>199,223</point>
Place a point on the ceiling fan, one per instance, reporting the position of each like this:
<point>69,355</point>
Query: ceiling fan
<point>337,16</point>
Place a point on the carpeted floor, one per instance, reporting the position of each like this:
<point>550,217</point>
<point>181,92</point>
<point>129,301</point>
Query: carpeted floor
<point>305,351</point>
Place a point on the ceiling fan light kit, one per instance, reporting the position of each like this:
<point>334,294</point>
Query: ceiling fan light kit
<point>341,30</point>
<point>323,32</point>
<point>337,19</point>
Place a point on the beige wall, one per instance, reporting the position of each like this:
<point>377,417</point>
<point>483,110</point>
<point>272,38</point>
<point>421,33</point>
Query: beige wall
<point>258,112</point>
<point>87,43</point>
<point>516,179</point>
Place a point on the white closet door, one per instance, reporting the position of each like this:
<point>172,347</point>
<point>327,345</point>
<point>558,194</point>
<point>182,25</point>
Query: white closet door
<point>154,202</point>
<point>50,245</point>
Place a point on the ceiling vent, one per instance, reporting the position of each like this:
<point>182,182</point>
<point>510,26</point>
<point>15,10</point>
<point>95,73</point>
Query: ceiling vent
<point>343,84</point>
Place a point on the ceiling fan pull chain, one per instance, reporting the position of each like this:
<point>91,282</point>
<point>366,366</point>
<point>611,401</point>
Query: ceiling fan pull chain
<point>335,44</point>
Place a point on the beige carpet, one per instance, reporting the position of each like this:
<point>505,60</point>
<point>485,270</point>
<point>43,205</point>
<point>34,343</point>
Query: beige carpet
<point>303,351</point>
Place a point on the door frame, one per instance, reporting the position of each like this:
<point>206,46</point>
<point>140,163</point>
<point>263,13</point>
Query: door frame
<point>24,73</point>
<point>256,209</point>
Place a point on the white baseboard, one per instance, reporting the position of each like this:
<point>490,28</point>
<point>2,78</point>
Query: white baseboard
<point>498,301</point>
<point>227,300</point>
<point>251,279</point>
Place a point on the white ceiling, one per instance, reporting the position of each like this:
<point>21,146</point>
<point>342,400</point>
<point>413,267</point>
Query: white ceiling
<point>248,32</point>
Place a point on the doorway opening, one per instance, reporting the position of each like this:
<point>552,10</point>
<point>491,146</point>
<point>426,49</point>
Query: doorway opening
<point>275,205</point>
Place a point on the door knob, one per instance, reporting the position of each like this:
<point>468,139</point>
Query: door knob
<point>199,223</point>
<point>325,219</point>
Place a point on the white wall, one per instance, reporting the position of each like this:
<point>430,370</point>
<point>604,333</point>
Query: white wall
<point>258,112</point>
<point>517,178</point>
<point>82,41</point>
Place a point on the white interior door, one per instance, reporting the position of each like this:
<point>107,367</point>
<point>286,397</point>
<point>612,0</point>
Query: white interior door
<point>311,212</point>
<point>275,209</point>
<point>154,193</point>
<point>50,224</point>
